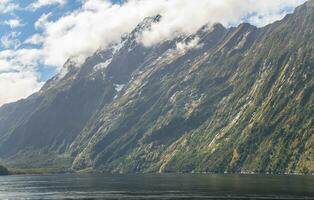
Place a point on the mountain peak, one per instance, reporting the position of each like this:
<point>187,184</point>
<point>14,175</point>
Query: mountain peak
<point>147,23</point>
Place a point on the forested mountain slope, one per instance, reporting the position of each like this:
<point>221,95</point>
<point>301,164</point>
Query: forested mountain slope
<point>221,100</point>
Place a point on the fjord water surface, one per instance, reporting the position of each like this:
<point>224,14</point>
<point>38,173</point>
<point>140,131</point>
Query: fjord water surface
<point>156,186</point>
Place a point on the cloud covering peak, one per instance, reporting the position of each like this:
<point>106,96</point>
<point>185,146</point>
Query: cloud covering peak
<point>95,24</point>
<point>99,23</point>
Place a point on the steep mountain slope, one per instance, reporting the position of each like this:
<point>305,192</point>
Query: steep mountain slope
<point>50,119</point>
<point>242,103</point>
<point>222,100</point>
<point>33,132</point>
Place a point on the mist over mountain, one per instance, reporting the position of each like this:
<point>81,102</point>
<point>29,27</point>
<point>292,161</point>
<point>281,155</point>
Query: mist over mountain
<point>236,99</point>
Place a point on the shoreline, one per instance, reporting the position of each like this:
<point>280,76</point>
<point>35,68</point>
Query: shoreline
<point>52,171</point>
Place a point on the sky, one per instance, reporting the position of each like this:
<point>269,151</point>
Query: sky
<point>38,36</point>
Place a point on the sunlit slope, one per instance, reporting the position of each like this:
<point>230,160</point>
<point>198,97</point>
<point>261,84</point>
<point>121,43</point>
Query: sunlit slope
<point>221,100</point>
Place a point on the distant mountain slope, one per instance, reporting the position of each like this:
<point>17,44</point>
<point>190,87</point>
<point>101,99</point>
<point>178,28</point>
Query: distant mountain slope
<point>222,100</point>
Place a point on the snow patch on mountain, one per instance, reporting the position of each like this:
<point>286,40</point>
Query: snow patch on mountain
<point>119,87</point>
<point>102,65</point>
<point>118,46</point>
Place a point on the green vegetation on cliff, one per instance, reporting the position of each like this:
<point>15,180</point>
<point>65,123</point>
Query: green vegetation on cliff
<point>242,100</point>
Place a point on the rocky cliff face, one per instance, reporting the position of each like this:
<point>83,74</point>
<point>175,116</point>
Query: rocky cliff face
<point>221,100</point>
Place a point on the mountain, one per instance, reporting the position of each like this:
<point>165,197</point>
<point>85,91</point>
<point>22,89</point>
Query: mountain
<point>234,99</point>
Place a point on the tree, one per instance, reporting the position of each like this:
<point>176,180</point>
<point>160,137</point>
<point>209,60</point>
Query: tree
<point>3,171</point>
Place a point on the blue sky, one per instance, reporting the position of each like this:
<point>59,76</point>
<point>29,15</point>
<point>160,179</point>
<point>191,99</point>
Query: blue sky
<point>38,36</point>
<point>28,18</point>
<point>27,28</point>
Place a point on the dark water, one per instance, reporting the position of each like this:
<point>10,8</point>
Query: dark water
<point>166,186</point>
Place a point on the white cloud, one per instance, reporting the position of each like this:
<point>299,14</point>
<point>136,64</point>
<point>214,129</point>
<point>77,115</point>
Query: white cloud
<point>7,6</point>
<point>42,21</point>
<point>17,85</point>
<point>41,3</point>
<point>10,40</point>
<point>98,22</point>
<point>183,47</point>
<point>35,39</point>
<point>18,76</point>
<point>20,60</point>
<point>14,23</point>
<point>262,20</point>
<point>186,16</point>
